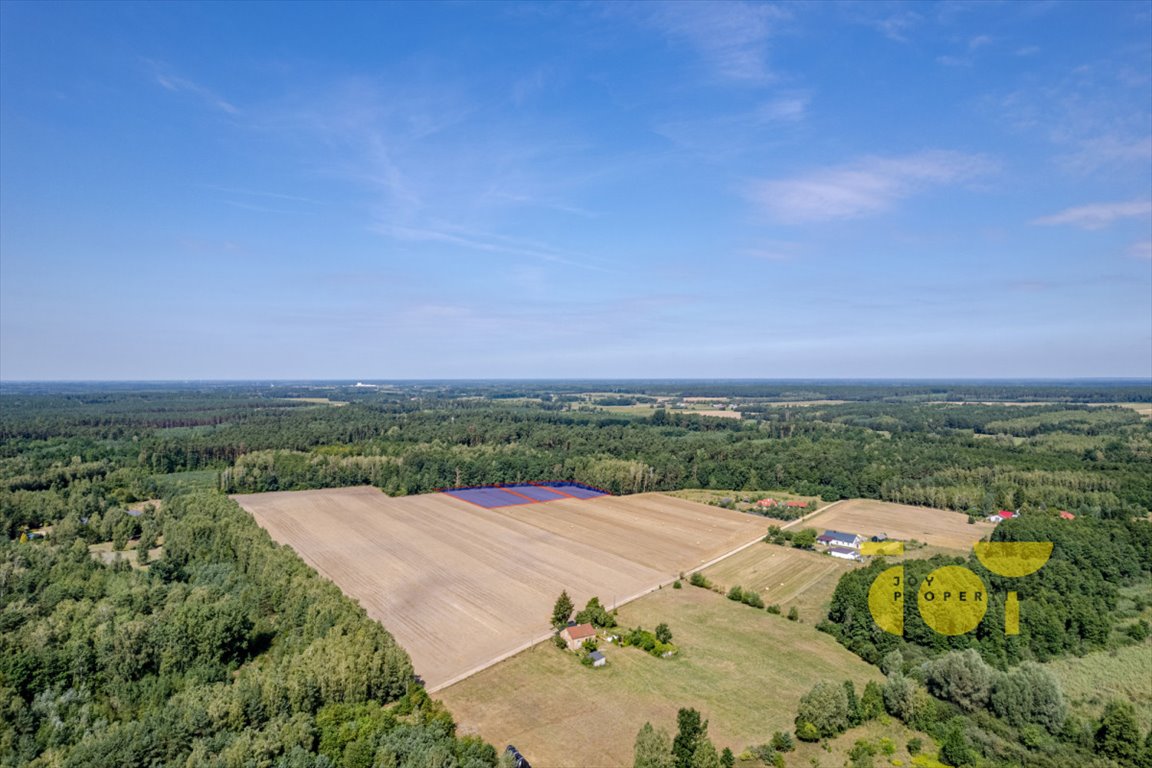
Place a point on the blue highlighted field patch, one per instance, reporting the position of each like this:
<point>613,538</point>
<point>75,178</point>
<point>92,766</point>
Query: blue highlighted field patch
<point>494,496</point>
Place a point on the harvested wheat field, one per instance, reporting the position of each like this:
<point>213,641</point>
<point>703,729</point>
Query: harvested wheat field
<point>461,586</point>
<point>939,527</point>
<point>784,576</point>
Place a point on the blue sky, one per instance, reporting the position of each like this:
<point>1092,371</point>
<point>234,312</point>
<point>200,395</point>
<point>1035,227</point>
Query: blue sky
<point>575,190</point>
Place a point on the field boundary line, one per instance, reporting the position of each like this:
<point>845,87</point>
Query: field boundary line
<point>490,663</point>
<point>813,514</point>
<point>529,498</point>
<point>543,638</point>
<point>616,604</point>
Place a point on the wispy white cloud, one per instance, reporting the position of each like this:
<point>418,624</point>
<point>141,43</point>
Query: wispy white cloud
<point>726,134</point>
<point>1107,151</point>
<point>246,206</point>
<point>865,187</point>
<point>968,58</point>
<point>731,37</point>
<point>894,26</point>
<point>529,85</point>
<point>1141,250</point>
<point>1095,117</point>
<point>773,250</point>
<point>1097,215</point>
<point>787,108</point>
<point>180,84</point>
<point>487,242</point>
<point>260,193</point>
<point>531,201</point>
<point>432,180</point>
<point>955,61</point>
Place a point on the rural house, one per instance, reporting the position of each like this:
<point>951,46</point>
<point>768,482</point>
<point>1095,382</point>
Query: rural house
<point>1003,514</point>
<point>766,503</point>
<point>1066,515</point>
<point>844,553</point>
<point>575,636</point>
<point>840,539</point>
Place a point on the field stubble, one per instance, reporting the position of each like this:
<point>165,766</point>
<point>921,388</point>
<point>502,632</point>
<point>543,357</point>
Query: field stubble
<point>460,586</point>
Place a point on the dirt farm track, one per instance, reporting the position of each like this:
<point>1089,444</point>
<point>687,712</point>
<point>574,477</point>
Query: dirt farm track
<point>460,586</point>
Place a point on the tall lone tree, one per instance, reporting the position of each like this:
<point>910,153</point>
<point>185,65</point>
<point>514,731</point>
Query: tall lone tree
<point>690,728</point>
<point>562,610</point>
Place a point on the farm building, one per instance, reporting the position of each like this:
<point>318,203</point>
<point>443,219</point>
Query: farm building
<point>844,553</point>
<point>575,636</point>
<point>598,659</point>
<point>840,539</point>
<point>767,503</point>
<point>796,504</point>
<point>1066,515</point>
<point>1003,514</point>
<point>880,537</point>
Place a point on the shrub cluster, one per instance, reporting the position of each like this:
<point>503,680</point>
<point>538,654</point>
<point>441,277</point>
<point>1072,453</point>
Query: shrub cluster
<point>748,597</point>
<point>649,641</point>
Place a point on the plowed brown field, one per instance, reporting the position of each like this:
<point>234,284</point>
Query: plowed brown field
<point>460,586</point>
<point>901,521</point>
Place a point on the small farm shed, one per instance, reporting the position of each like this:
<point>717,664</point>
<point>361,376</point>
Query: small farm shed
<point>1066,515</point>
<point>598,659</point>
<point>840,539</point>
<point>576,635</point>
<point>767,503</point>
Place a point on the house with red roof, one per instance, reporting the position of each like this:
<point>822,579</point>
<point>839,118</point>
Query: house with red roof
<point>1066,515</point>
<point>576,634</point>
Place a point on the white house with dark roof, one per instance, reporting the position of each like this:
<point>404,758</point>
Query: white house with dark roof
<point>844,553</point>
<point>840,539</point>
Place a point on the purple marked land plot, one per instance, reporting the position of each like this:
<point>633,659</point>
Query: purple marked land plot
<point>578,491</point>
<point>489,498</point>
<point>537,492</point>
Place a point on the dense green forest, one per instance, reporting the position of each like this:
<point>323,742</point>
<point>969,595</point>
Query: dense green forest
<point>973,458</point>
<point>227,651</point>
<point>1068,606</point>
<point>224,649</point>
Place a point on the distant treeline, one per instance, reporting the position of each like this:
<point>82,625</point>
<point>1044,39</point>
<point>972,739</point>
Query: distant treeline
<point>105,450</point>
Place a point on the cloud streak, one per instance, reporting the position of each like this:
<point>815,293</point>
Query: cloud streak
<point>486,242</point>
<point>209,97</point>
<point>1097,215</point>
<point>866,187</point>
<point>731,38</point>
<point>1141,250</point>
